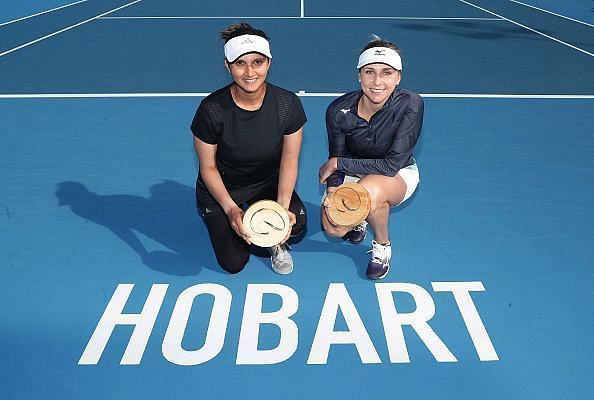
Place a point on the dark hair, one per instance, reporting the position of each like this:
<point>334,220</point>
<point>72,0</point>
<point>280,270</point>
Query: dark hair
<point>377,41</point>
<point>243,28</point>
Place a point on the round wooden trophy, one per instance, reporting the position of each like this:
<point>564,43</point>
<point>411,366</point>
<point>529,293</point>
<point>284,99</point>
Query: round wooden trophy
<point>349,205</point>
<point>267,223</point>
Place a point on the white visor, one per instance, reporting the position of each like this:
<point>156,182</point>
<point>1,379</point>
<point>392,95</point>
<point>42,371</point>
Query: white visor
<point>244,44</point>
<point>382,55</point>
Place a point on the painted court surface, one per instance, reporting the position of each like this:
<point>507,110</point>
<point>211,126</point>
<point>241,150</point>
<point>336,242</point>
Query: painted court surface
<point>489,295</point>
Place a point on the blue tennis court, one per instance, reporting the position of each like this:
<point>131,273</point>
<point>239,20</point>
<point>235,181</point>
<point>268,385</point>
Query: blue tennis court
<point>109,286</point>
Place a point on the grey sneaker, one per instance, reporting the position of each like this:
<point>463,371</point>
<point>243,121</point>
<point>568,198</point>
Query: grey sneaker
<point>282,262</point>
<point>379,265</point>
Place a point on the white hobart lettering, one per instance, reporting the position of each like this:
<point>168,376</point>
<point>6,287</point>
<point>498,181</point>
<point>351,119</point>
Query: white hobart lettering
<point>247,351</point>
<point>338,297</point>
<point>113,316</point>
<point>474,324</point>
<point>217,326</point>
<point>393,321</point>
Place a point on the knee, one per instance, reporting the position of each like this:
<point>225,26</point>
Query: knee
<point>233,265</point>
<point>379,203</point>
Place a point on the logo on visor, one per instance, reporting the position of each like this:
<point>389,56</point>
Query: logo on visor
<point>247,40</point>
<point>379,52</point>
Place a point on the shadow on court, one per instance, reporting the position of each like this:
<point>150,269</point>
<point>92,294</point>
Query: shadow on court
<point>471,30</point>
<point>168,217</point>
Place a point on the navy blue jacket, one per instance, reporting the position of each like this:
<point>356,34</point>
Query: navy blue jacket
<point>381,146</point>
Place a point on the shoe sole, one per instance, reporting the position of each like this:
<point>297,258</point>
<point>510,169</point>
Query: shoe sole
<point>282,272</point>
<point>379,277</point>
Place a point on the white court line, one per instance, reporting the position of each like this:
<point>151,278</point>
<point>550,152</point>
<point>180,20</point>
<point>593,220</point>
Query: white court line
<point>302,8</point>
<point>507,96</point>
<point>65,29</point>
<point>318,17</point>
<point>97,95</point>
<point>530,29</point>
<point>43,12</point>
<point>550,12</point>
<point>300,93</point>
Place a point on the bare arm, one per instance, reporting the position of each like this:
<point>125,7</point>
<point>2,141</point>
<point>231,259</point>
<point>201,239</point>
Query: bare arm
<point>289,168</point>
<point>212,179</point>
<point>327,169</point>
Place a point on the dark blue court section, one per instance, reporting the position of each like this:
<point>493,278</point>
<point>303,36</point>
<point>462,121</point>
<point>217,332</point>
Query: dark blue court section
<point>21,32</point>
<point>98,192</point>
<point>568,31</point>
<point>400,8</point>
<point>15,9</point>
<point>581,10</point>
<point>228,8</point>
<point>468,56</point>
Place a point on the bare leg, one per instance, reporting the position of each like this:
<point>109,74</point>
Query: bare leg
<point>385,192</point>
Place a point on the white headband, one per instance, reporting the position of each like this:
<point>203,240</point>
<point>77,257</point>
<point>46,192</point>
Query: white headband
<point>244,44</point>
<point>382,55</point>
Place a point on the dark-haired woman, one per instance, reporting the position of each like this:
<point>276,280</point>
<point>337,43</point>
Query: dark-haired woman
<point>247,137</point>
<point>371,136</point>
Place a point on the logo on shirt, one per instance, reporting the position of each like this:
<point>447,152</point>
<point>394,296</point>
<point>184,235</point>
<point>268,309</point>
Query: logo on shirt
<point>344,111</point>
